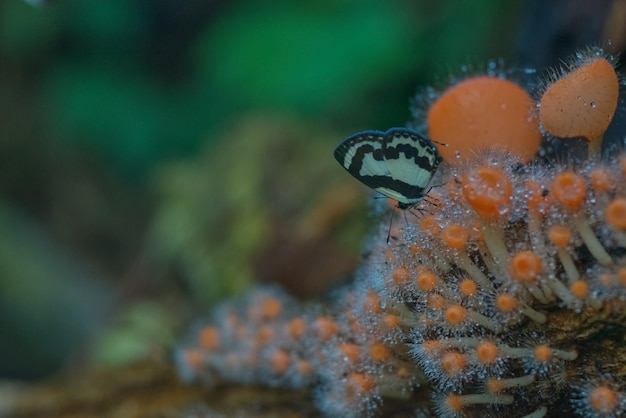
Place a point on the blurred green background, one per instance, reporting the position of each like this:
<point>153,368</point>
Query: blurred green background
<point>160,155</point>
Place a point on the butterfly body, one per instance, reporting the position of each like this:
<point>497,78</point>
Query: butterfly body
<point>398,163</point>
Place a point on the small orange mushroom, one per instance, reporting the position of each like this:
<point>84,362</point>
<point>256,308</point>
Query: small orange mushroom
<point>582,102</point>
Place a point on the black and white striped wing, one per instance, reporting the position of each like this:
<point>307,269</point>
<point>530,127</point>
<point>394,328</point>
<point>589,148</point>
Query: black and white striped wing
<point>411,160</point>
<point>398,163</point>
<point>362,155</point>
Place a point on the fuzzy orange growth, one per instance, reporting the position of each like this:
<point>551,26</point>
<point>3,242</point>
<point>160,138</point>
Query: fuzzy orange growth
<point>371,304</point>
<point>432,346</point>
<point>400,275</point>
<point>455,403</point>
<point>426,320</point>
<point>615,213</point>
<point>352,352</point>
<point>525,266</point>
<point>487,352</point>
<point>494,385</point>
<point>436,302</point>
<point>582,103</point>
<point>506,302</point>
<point>560,235</point>
<point>359,384</point>
<point>601,180</point>
<point>468,287</point>
<point>325,328</point>
<point>429,226</point>
<point>604,400</point>
<point>265,309</point>
<point>209,338</point>
<point>453,363</point>
<point>454,236</point>
<point>271,308</point>
<point>579,289</point>
<point>390,256</point>
<point>279,361</point>
<point>621,276</point>
<point>391,321</point>
<point>483,113</point>
<point>488,191</point>
<point>296,328</point>
<point>403,373</point>
<point>456,314</point>
<point>568,188</point>
<point>194,358</point>
<point>543,353</point>
<point>453,193</point>
<point>379,352</point>
<point>304,368</point>
<point>355,326</point>
<point>605,279</point>
<point>427,281</point>
<point>415,249</point>
<point>265,334</point>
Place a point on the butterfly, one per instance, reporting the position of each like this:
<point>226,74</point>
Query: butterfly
<point>398,163</point>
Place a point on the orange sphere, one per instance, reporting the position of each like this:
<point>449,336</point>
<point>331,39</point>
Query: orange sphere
<point>484,113</point>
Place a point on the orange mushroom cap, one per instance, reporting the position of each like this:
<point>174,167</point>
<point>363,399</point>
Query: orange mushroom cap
<point>483,113</point>
<point>582,103</point>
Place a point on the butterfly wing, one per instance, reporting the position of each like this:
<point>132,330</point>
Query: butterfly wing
<point>411,160</point>
<point>362,156</point>
<point>398,163</point>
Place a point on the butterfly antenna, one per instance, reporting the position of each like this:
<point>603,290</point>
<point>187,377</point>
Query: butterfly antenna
<point>390,223</point>
<point>433,201</point>
<point>430,199</point>
<point>432,187</point>
<point>418,211</point>
<point>438,143</point>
